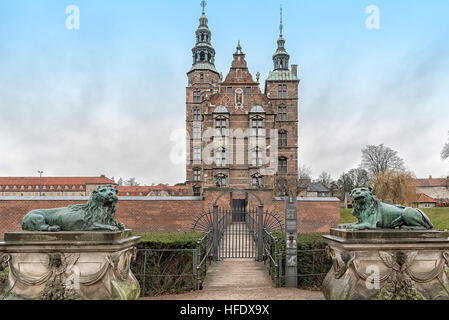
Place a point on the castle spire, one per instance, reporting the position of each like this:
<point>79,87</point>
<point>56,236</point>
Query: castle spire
<point>281,57</point>
<point>203,52</point>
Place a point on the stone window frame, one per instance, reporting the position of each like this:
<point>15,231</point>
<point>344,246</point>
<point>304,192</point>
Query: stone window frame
<point>196,112</point>
<point>196,96</point>
<point>222,176</point>
<point>282,112</point>
<point>257,130</point>
<point>220,157</point>
<point>282,91</point>
<point>221,124</point>
<point>196,174</point>
<point>197,154</point>
<point>257,157</point>
<point>260,178</point>
<point>283,138</point>
<point>197,132</point>
<point>283,165</point>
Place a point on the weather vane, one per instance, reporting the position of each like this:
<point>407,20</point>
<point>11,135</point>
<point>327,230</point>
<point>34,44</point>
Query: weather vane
<point>203,4</point>
<point>281,27</point>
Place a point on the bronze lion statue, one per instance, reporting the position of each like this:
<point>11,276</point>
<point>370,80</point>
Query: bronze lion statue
<point>372,214</point>
<point>97,215</point>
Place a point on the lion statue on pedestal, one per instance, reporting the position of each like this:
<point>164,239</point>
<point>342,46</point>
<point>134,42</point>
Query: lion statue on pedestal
<point>97,215</point>
<point>372,214</point>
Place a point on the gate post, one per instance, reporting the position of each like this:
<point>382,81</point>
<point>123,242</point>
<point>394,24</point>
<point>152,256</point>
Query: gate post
<point>260,234</point>
<point>215,234</point>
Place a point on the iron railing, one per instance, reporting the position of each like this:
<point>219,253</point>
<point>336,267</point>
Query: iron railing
<point>272,256</point>
<point>160,271</point>
<point>313,266</point>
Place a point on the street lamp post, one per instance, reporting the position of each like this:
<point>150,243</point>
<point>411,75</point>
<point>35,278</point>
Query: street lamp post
<point>40,182</point>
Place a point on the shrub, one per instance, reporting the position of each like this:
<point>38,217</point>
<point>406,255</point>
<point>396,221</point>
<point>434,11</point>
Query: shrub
<point>313,262</point>
<point>164,262</point>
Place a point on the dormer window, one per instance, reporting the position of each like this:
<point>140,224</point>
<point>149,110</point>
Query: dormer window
<point>229,90</point>
<point>248,90</point>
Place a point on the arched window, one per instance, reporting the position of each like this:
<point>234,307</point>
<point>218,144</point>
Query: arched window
<point>202,56</point>
<point>220,157</point>
<point>282,138</point>
<point>282,165</point>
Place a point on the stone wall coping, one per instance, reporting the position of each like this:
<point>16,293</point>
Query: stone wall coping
<point>83,198</point>
<point>311,199</point>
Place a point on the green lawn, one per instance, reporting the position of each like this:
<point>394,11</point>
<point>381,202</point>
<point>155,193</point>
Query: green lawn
<point>438,216</point>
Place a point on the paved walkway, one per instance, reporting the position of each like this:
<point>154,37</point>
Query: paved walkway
<point>241,279</point>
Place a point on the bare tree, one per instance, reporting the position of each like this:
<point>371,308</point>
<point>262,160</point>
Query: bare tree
<point>304,172</point>
<point>132,182</point>
<point>354,178</point>
<point>445,152</point>
<point>395,186</point>
<point>120,182</point>
<point>325,179</point>
<point>377,159</point>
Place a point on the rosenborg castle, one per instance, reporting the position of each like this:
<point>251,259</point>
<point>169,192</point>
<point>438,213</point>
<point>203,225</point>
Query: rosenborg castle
<point>238,136</point>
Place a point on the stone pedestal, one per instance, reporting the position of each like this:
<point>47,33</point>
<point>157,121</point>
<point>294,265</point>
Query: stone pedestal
<point>387,264</point>
<point>70,265</point>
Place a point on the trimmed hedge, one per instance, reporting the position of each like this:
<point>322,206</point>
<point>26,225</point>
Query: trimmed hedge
<point>313,262</point>
<point>164,263</point>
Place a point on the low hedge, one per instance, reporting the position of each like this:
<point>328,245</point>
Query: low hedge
<point>313,262</point>
<point>164,263</point>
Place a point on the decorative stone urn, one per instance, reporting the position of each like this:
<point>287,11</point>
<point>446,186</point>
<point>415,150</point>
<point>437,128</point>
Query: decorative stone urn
<point>387,264</point>
<point>70,265</point>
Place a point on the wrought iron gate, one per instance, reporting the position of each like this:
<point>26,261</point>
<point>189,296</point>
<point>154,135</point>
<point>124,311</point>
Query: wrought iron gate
<point>238,232</point>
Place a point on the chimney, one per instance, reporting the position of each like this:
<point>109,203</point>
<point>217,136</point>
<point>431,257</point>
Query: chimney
<point>295,69</point>
<point>430,177</point>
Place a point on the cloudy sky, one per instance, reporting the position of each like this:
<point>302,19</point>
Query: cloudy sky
<point>109,98</point>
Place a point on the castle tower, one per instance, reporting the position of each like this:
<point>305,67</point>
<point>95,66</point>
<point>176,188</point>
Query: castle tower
<point>281,88</point>
<point>203,80</point>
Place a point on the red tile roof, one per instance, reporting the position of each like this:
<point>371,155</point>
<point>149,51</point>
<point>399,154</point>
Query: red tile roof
<point>145,190</point>
<point>432,182</point>
<point>424,198</point>
<point>35,181</point>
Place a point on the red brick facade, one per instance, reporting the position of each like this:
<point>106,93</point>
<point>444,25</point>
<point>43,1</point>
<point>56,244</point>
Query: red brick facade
<point>177,215</point>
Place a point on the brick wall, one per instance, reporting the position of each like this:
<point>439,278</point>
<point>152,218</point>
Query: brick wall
<point>175,214</point>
